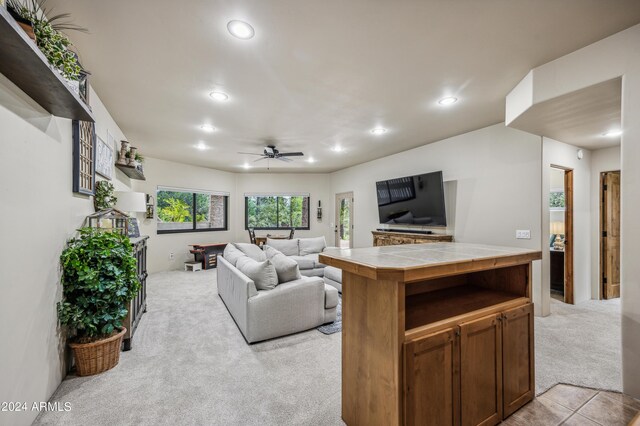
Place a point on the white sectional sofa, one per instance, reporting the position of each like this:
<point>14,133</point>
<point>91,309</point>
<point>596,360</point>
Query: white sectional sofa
<point>263,308</point>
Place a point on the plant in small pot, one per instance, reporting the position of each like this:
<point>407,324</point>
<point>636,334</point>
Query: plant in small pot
<point>98,281</point>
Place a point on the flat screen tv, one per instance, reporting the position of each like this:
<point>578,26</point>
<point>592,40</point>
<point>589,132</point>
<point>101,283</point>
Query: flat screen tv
<point>412,200</point>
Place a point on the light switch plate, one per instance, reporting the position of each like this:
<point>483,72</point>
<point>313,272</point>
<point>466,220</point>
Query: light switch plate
<point>523,234</point>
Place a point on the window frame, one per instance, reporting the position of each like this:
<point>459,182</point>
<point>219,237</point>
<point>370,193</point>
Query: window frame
<point>277,228</point>
<point>195,228</point>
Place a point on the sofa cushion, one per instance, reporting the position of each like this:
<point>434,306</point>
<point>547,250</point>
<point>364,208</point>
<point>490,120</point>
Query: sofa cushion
<point>286,268</point>
<point>252,250</point>
<point>330,297</point>
<point>315,272</point>
<point>263,274</point>
<point>311,245</point>
<point>305,262</point>
<point>332,273</point>
<point>232,254</point>
<point>286,247</point>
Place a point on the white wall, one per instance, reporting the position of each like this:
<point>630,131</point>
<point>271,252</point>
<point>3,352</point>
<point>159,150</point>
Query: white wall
<point>492,180</point>
<point>612,57</point>
<point>39,212</point>
<point>565,155</point>
<point>602,160</point>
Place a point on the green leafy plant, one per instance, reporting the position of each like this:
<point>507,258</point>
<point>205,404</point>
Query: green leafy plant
<point>139,158</point>
<point>98,281</point>
<point>51,40</point>
<point>104,198</point>
<point>175,211</point>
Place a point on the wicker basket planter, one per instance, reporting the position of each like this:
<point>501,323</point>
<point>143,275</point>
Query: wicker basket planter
<point>96,357</point>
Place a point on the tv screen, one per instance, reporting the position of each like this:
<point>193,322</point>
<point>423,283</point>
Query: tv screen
<point>412,200</point>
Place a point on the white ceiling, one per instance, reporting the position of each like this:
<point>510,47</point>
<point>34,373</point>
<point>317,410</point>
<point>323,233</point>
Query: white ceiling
<point>320,73</point>
<point>579,118</point>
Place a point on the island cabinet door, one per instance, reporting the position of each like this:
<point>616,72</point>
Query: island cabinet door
<point>517,357</point>
<point>432,380</point>
<point>481,371</point>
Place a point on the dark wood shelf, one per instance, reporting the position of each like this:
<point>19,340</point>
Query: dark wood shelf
<point>131,171</point>
<point>427,308</point>
<point>22,62</point>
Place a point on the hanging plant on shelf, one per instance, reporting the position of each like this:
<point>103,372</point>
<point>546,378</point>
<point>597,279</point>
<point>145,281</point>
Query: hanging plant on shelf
<point>49,36</point>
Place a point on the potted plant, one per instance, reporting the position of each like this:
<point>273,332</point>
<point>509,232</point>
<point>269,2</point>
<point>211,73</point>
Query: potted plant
<point>98,281</point>
<point>103,197</point>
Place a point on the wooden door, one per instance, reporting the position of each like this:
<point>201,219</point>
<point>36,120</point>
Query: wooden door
<point>610,231</point>
<point>344,220</point>
<point>481,371</point>
<point>518,379</point>
<point>432,380</point>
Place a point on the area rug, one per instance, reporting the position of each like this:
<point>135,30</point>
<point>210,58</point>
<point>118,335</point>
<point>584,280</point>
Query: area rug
<point>335,326</point>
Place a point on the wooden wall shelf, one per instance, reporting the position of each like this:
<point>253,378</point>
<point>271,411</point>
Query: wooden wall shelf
<point>22,62</point>
<point>131,171</point>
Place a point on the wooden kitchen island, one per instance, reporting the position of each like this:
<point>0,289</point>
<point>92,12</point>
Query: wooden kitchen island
<point>435,334</point>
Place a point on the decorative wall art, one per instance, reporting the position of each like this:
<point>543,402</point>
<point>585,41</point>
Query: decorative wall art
<point>84,156</point>
<point>104,159</point>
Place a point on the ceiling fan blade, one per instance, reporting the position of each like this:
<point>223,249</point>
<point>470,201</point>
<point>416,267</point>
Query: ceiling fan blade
<point>291,154</point>
<point>260,159</point>
<point>285,159</point>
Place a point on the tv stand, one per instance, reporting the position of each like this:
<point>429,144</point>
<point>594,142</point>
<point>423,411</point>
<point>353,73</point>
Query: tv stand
<point>393,238</point>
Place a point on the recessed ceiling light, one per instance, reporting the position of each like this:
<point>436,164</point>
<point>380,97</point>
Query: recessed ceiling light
<point>311,160</point>
<point>614,133</point>
<point>207,128</point>
<point>379,131</point>
<point>246,165</point>
<point>219,96</point>
<point>449,100</point>
<point>241,29</point>
<point>337,148</point>
<point>202,146</point>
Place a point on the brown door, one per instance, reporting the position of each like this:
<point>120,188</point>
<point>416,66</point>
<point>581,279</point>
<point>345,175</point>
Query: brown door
<point>610,231</point>
<point>432,380</point>
<point>481,371</point>
<point>517,358</point>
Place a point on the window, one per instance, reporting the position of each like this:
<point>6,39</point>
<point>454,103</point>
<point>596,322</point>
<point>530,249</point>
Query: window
<point>185,210</point>
<point>276,211</point>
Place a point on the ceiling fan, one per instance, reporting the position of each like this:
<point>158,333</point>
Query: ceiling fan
<point>271,153</point>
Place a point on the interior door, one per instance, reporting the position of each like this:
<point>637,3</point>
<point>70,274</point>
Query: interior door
<point>432,380</point>
<point>610,231</point>
<point>344,220</point>
<point>481,371</point>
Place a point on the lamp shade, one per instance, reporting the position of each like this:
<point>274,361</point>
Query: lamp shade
<point>131,201</point>
<point>557,228</point>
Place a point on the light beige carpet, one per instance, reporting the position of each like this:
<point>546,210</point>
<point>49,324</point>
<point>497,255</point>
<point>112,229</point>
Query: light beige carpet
<point>191,366</point>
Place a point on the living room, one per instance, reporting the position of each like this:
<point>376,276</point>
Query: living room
<point>277,103</point>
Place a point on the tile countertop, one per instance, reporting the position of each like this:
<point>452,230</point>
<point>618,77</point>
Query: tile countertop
<point>394,261</point>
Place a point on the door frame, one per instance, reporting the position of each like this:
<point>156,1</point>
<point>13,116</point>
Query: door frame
<point>568,233</point>
<point>339,197</point>
<point>601,229</point>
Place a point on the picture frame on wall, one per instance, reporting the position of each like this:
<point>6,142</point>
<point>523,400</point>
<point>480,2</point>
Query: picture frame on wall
<point>84,157</point>
<point>134,228</point>
<point>104,159</point>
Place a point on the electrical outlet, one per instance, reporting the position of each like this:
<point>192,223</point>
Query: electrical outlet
<point>523,234</point>
<point>171,255</point>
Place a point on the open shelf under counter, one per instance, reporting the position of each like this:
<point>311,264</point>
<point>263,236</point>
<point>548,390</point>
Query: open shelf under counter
<point>25,66</point>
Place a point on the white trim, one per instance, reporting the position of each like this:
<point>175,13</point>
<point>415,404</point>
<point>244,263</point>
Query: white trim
<point>197,191</point>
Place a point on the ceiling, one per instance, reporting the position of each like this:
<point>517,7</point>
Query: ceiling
<point>320,73</point>
<point>579,118</point>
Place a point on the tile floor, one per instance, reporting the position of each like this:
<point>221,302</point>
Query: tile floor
<point>573,405</point>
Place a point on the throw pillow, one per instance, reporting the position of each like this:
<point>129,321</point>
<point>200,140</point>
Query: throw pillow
<point>287,247</point>
<point>252,250</point>
<point>312,245</point>
<point>231,254</point>
<point>263,274</point>
<point>286,268</point>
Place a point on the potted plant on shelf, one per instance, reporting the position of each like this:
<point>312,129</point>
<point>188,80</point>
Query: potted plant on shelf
<point>98,281</point>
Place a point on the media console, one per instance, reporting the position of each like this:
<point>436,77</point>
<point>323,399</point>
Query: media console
<point>435,334</point>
